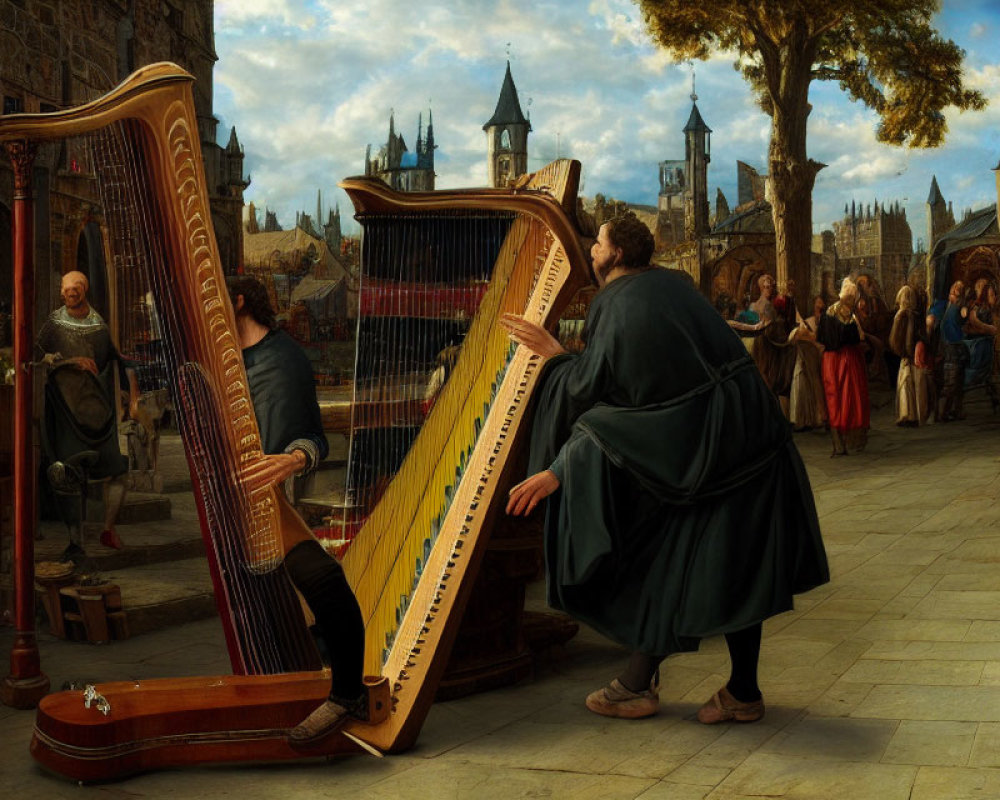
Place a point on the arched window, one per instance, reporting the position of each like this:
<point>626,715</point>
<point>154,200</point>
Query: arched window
<point>505,139</point>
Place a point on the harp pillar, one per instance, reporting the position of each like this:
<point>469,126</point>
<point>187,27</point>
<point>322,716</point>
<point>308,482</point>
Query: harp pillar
<point>26,684</point>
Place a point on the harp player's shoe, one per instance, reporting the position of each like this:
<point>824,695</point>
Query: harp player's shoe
<point>327,719</point>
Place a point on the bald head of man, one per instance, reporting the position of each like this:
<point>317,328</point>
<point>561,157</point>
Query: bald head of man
<point>74,293</point>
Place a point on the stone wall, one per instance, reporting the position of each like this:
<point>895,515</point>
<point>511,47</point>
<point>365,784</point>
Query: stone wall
<point>57,54</point>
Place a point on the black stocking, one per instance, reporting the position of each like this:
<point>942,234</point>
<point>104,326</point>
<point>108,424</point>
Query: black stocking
<point>744,652</point>
<point>638,675</point>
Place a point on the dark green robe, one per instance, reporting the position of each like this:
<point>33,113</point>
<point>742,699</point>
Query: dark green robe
<point>684,508</point>
<point>283,393</point>
<point>80,408</point>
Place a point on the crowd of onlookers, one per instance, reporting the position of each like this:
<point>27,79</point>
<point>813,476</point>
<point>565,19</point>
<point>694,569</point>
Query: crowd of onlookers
<point>820,365</point>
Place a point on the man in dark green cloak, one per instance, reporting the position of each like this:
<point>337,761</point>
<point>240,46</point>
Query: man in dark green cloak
<point>678,505</point>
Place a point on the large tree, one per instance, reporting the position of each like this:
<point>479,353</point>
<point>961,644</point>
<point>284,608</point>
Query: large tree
<point>884,53</point>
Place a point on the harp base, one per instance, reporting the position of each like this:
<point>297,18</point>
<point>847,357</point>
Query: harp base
<point>168,722</point>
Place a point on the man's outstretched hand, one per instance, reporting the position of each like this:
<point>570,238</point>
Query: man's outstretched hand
<point>530,492</point>
<point>531,335</point>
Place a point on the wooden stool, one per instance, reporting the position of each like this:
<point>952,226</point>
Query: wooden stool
<point>98,609</point>
<point>51,577</point>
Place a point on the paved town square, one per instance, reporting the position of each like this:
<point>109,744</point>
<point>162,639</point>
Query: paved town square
<point>883,684</point>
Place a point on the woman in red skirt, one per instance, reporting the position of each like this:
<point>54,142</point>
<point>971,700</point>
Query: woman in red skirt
<point>845,378</point>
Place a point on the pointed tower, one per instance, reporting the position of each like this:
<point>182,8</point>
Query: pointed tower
<point>395,146</point>
<point>697,154</point>
<point>332,232</point>
<point>250,225</point>
<point>429,141</point>
<point>425,147</point>
<point>270,221</point>
<point>940,218</point>
<point>507,136</point>
<point>233,170</point>
<point>721,207</point>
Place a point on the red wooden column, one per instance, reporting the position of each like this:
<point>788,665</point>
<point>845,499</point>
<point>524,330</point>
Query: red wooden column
<point>26,684</point>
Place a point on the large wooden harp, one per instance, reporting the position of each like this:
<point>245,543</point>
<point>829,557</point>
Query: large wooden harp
<point>413,562</point>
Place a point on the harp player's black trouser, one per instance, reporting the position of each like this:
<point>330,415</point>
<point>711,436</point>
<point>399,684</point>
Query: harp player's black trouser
<point>324,586</point>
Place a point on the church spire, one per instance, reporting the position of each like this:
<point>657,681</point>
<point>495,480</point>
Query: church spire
<point>508,110</point>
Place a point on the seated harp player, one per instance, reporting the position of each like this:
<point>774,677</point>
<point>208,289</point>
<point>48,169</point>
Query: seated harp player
<point>412,564</point>
<point>283,393</point>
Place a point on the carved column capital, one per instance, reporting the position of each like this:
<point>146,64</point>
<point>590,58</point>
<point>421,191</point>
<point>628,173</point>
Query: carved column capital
<point>22,155</point>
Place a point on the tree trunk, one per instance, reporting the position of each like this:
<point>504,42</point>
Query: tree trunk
<point>792,174</point>
<point>791,200</point>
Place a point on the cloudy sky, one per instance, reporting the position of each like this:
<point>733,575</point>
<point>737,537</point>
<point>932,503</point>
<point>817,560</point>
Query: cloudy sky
<point>309,83</point>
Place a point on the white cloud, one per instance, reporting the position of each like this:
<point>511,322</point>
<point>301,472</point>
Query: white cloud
<point>309,84</point>
<point>262,14</point>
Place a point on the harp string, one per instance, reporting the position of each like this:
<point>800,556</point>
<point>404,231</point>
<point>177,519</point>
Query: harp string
<point>465,250</point>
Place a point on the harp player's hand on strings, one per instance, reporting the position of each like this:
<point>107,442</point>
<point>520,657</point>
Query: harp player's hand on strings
<point>530,492</point>
<point>270,470</point>
<point>531,335</point>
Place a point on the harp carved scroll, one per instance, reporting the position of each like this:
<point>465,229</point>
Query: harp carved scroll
<point>413,561</point>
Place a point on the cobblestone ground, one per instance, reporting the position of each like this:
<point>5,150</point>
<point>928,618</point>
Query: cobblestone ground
<point>883,684</point>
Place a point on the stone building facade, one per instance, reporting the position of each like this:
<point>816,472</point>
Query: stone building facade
<point>57,54</point>
<point>877,241</point>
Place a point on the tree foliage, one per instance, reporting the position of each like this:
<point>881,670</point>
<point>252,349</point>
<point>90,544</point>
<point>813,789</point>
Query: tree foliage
<point>884,53</point>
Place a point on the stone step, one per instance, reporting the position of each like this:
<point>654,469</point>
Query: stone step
<point>138,507</point>
<point>157,595</point>
<point>147,542</point>
<point>142,507</point>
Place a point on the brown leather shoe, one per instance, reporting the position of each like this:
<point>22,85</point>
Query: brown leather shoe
<point>723,707</point>
<point>324,721</point>
<point>614,700</point>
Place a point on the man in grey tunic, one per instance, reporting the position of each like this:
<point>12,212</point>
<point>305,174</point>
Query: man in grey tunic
<point>80,408</point>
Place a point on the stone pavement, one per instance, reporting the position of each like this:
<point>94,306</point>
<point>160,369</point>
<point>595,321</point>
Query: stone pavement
<point>884,684</point>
